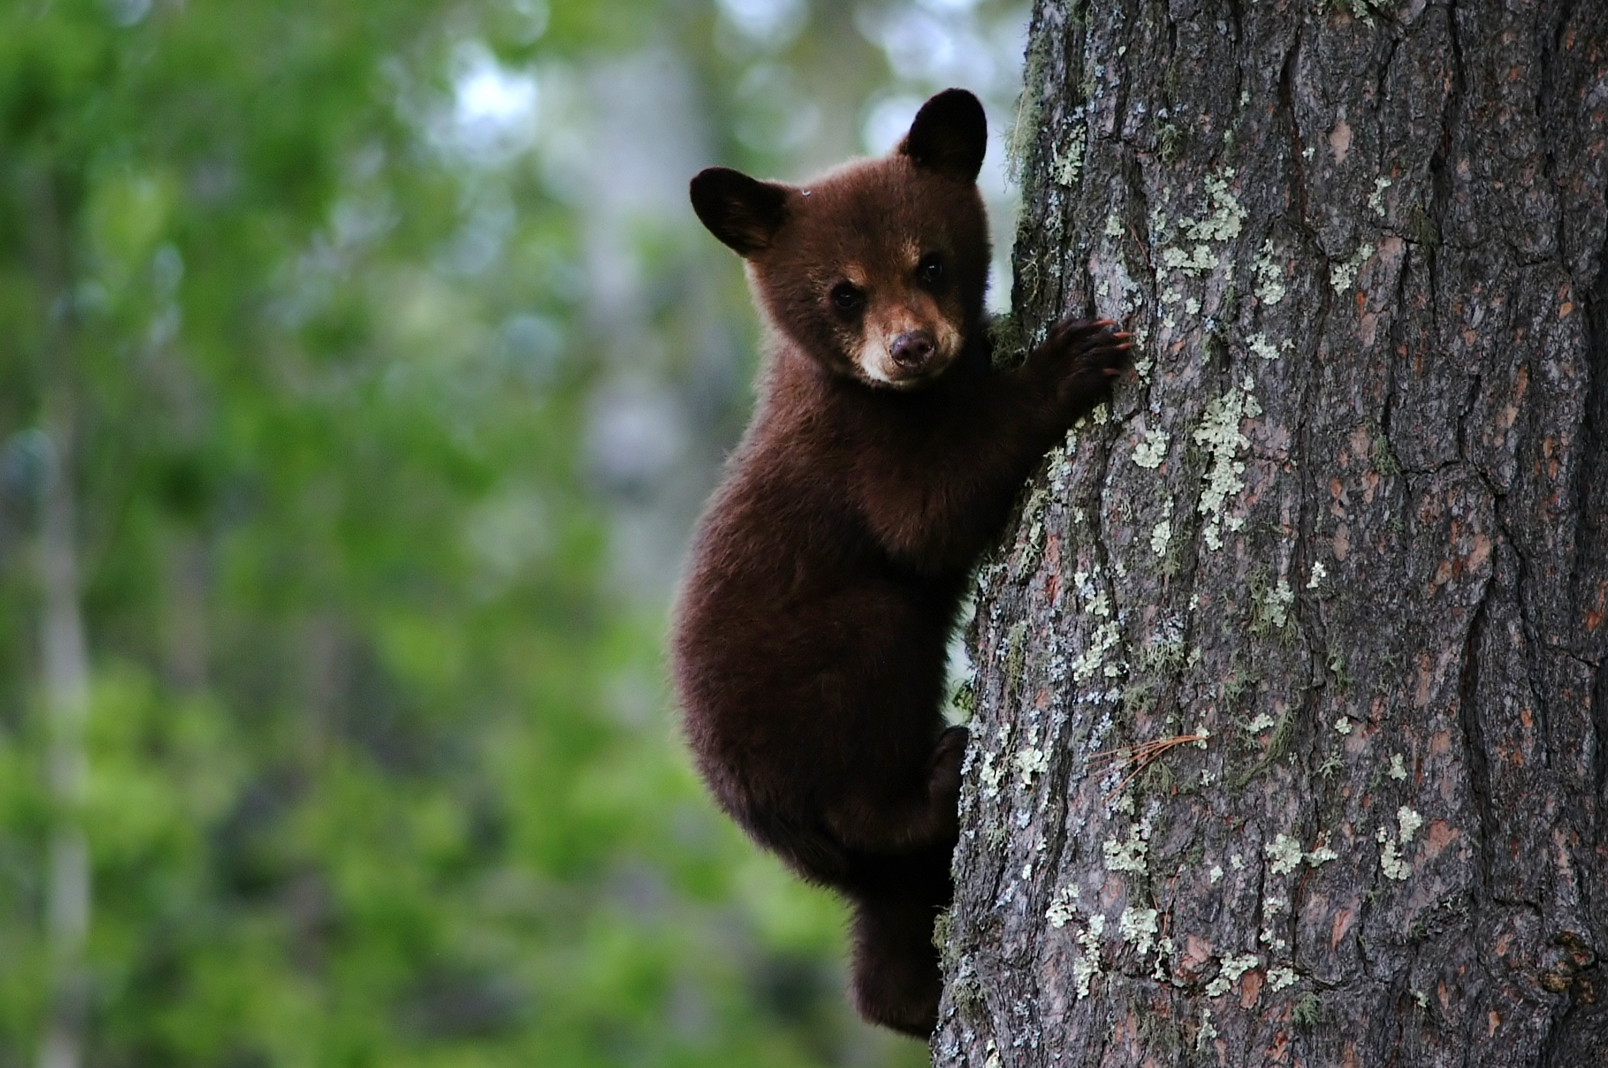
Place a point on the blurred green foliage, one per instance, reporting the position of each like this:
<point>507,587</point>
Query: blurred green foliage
<point>380,768</point>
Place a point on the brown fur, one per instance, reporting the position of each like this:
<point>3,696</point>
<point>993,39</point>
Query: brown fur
<point>810,634</point>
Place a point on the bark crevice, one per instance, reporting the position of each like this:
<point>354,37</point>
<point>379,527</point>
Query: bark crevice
<point>1474,741</point>
<point>1287,100</point>
<point>1592,480</point>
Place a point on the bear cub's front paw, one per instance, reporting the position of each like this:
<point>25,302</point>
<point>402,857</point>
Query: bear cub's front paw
<point>1084,355</point>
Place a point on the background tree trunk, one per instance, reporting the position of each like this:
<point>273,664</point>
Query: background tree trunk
<point>1347,526</point>
<point>64,666</point>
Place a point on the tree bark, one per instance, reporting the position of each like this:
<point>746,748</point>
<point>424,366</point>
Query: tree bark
<point>1342,539</point>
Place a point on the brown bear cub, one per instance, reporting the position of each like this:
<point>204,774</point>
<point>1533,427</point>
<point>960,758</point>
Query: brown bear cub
<point>810,634</point>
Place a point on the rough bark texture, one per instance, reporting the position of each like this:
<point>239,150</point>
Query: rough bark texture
<point>1348,524</point>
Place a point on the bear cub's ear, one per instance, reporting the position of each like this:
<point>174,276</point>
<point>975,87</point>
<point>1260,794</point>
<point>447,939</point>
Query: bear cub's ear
<point>743,212</point>
<point>950,135</point>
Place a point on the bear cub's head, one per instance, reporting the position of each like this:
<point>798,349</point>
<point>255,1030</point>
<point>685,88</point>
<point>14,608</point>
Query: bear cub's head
<point>877,269</point>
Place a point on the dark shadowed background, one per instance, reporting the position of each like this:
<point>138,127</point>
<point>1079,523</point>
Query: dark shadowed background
<point>362,369</point>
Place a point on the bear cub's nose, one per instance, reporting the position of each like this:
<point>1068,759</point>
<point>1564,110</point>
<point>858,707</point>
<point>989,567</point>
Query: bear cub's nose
<point>911,349</point>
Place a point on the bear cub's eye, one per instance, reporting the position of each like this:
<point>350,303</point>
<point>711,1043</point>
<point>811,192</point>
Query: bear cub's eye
<point>931,269</point>
<point>847,298</point>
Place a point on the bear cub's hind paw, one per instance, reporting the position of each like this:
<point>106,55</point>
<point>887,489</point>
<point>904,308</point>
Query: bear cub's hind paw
<point>947,757</point>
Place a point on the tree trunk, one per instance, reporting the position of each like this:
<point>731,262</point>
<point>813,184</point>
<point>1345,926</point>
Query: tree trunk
<point>66,700</point>
<point>1342,539</point>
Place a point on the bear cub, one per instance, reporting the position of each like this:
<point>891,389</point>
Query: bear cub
<point>810,632</point>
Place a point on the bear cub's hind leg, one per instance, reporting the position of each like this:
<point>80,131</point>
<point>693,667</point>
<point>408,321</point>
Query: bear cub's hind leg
<point>897,980</point>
